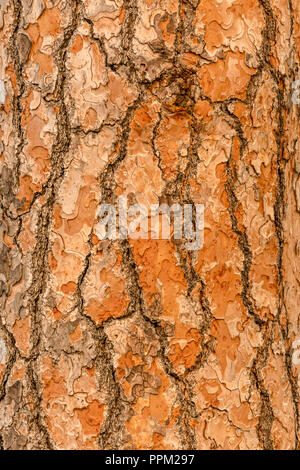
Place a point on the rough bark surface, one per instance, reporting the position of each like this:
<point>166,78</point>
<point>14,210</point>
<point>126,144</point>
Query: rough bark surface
<point>140,344</point>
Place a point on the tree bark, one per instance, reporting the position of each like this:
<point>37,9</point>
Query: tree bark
<point>134,343</point>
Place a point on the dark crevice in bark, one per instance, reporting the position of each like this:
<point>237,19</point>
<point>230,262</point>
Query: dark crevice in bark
<point>17,108</point>
<point>183,389</point>
<point>106,374</point>
<point>107,184</point>
<point>19,138</point>
<point>194,280</point>
<point>39,261</point>
<point>111,429</point>
<point>266,416</point>
<point>179,191</point>
<point>13,354</point>
<point>106,179</point>
<point>266,413</point>
<point>270,33</point>
<point>243,241</point>
<point>128,30</point>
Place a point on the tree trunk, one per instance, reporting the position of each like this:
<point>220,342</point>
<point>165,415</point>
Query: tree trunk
<point>141,343</point>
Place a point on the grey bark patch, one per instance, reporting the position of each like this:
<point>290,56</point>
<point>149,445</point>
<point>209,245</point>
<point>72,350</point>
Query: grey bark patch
<point>24,46</point>
<point>7,183</point>
<point>5,261</point>
<point>13,440</point>
<point>16,274</point>
<point>15,392</point>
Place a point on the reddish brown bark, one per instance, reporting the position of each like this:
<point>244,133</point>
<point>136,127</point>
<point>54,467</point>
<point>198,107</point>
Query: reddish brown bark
<point>140,344</point>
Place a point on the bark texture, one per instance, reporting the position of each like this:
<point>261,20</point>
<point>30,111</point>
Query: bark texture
<point>139,344</point>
